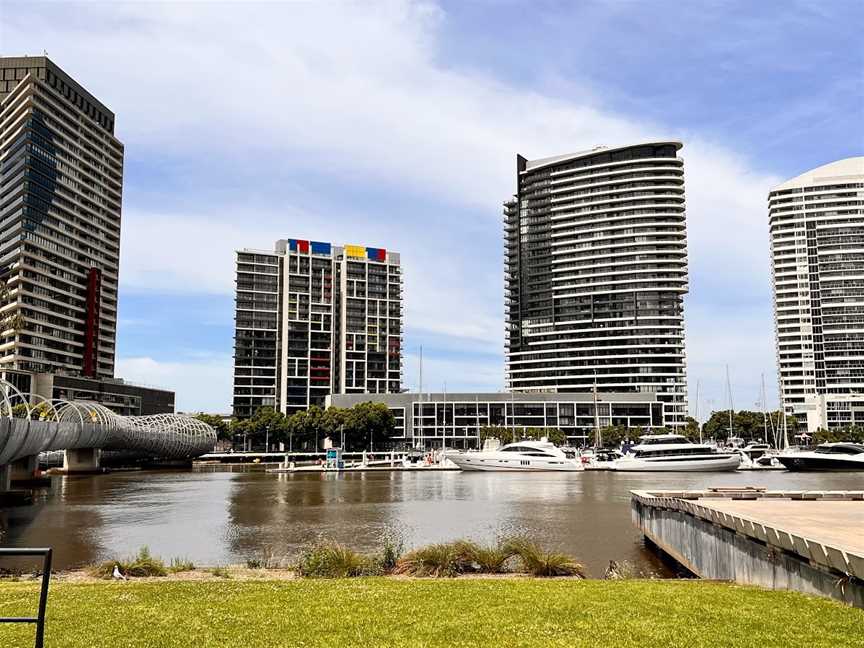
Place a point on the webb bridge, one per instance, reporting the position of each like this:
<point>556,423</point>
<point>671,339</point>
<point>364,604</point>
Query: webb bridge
<point>31,424</point>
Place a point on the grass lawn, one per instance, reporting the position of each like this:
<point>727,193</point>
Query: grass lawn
<point>445,612</point>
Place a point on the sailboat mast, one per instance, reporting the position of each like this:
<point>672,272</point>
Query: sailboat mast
<point>729,389</point>
<point>764,410</point>
<point>698,423</point>
<point>420,419</point>
<point>597,439</point>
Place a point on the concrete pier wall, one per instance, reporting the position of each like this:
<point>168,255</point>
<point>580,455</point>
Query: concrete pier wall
<point>82,460</point>
<point>714,545</point>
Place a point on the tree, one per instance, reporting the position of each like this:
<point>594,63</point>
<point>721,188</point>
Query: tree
<point>332,421</point>
<point>368,423</point>
<point>305,428</point>
<point>851,433</point>
<point>691,429</point>
<point>266,425</point>
<point>222,427</point>
<point>746,424</point>
<point>612,436</point>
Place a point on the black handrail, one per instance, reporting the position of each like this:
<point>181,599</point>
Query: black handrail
<point>39,619</point>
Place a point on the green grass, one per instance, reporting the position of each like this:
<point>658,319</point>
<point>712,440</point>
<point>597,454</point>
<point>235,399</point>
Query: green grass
<point>369,612</point>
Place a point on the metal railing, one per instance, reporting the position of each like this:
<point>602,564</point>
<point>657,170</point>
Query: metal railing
<point>39,619</point>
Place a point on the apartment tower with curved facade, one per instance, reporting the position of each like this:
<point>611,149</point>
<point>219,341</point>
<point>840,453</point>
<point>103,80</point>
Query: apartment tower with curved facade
<point>596,273</point>
<point>816,223</point>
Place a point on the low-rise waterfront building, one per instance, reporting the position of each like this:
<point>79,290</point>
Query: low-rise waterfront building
<point>118,395</point>
<point>455,420</point>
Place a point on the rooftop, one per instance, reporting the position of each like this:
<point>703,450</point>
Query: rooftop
<point>532,165</point>
<point>846,170</point>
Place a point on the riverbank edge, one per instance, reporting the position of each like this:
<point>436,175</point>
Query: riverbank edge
<point>241,573</point>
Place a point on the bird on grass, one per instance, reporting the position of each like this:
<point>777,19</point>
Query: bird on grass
<point>118,575</point>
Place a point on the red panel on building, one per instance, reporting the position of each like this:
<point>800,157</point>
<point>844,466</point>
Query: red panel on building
<point>303,246</point>
<point>382,254</point>
<point>91,333</point>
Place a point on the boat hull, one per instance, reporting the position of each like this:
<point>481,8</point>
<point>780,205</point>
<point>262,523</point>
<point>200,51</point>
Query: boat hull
<point>820,464</point>
<point>720,463</point>
<point>479,464</point>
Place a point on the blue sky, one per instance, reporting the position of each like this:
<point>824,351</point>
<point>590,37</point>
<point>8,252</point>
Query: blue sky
<point>396,125</point>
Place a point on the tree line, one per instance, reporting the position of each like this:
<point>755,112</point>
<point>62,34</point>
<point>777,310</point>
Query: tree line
<point>353,428</point>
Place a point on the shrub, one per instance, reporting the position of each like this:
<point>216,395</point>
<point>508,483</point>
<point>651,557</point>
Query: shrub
<point>145,565</point>
<point>433,560</point>
<point>178,565</point>
<point>140,566</point>
<point>538,562</point>
<point>255,563</point>
<point>390,554</point>
<point>220,572</point>
<point>472,557</point>
<point>331,560</point>
<point>106,569</point>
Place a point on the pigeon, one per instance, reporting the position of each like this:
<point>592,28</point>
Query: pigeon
<point>118,574</point>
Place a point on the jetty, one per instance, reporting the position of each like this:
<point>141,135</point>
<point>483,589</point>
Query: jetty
<point>808,541</point>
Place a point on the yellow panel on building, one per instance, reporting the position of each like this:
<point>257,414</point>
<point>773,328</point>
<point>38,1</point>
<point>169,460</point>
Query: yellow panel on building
<point>356,251</point>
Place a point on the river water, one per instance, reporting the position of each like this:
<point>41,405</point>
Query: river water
<point>219,518</point>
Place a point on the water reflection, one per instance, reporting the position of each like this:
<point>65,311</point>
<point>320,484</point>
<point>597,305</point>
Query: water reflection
<point>222,517</point>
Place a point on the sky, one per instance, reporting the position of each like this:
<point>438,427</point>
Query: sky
<point>396,125</point>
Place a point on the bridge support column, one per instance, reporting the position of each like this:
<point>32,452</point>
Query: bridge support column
<point>24,469</point>
<point>82,460</point>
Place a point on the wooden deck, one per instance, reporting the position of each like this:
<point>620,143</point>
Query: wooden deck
<point>812,541</point>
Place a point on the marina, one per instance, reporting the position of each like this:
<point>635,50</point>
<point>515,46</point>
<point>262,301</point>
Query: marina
<point>219,515</point>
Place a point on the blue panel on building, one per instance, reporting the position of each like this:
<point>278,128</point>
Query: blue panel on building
<point>320,248</point>
<point>292,245</point>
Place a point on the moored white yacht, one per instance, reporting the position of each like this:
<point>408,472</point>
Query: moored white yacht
<point>826,457</point>
<point>524,456</point>
<point>675,453</point>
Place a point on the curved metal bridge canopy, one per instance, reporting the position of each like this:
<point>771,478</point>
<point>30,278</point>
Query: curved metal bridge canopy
<point>30,424</point>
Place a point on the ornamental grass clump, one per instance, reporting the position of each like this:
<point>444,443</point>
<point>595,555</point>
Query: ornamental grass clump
<point>437,560</point>
<point>538,562</point>
<point>145,564</point>
<point>472,557</point>
<point>140,566</point>
<point>331,560</point>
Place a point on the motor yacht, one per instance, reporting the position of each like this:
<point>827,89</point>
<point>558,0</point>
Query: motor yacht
<point>826,456</point>
<point>758,456</point>
<point>675,453</point>
<point>524,456</point>
<point>603,459</point>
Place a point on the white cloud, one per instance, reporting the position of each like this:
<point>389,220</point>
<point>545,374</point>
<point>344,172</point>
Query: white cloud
<point>201,384</point>
<point>363,94</point>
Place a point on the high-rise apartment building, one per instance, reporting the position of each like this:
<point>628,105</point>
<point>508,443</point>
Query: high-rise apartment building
<point>315,319</point>
<point>61,180</point>
<point>816,223</point>
<point>596,273</point>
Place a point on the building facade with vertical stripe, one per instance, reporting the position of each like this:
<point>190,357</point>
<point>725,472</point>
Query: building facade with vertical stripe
<point>61,182</point>
<point>596,273</point>
<point>314,319</point>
